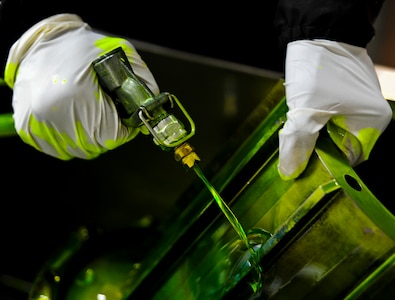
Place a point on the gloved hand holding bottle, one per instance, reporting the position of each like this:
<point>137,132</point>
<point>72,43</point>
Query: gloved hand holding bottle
<point>329,80</point>
<point>59,106</point>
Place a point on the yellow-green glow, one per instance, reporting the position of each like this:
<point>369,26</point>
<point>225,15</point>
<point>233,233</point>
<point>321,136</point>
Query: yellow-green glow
<point>296,173</point>
<point>223,206</point>
<point>61,141</point>
<point>10,73</point>
<point>108,43</point>
<point>368,138</point>
<point>349,144</point>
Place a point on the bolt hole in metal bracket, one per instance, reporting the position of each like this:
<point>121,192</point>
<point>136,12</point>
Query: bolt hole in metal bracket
<point>330,237</point>
<point>329,232</point>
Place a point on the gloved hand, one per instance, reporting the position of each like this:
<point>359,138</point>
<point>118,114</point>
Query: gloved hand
<point>331,83</point>
<point>59,107</point>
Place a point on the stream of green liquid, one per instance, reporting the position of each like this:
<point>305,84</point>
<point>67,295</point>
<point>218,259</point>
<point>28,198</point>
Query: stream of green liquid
<point>224,208</point>
<point>235,224</point>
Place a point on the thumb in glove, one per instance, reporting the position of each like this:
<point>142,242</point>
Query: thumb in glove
<point>351,105</point>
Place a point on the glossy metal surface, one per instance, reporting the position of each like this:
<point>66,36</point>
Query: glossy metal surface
<point>329,231</point>
<point>330,236</point>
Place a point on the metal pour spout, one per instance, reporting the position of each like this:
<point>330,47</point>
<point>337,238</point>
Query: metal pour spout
<point>186,154</point>
<point>138,106</point>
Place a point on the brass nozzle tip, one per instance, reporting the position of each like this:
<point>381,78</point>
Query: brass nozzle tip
<point>186,154</point>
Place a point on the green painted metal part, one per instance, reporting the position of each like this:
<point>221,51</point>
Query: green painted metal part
<point>6,120</point>
<point>7,125</point>
<point>331,238</point>
<point>329,231</point>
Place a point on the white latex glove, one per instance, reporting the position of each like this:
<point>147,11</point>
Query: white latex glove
<point>59,107</point>
<point>332,83</point>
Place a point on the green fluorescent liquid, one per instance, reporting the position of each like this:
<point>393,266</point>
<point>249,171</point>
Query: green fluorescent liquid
<point>256,268</point>
<point>224,208</point>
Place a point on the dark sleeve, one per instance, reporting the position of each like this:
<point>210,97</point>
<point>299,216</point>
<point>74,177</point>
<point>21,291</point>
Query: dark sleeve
<point>348,21</point>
